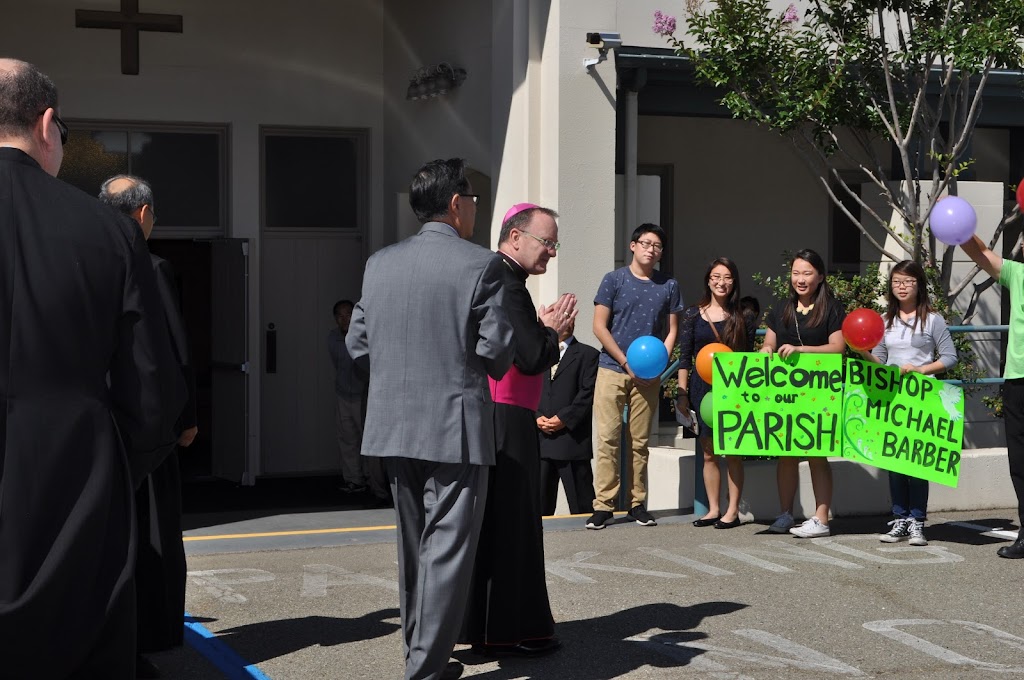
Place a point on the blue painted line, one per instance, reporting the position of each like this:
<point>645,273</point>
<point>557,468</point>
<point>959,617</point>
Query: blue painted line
<point>218,653</point>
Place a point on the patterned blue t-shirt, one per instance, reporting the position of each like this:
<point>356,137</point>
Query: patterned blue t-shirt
<point>639,307</point>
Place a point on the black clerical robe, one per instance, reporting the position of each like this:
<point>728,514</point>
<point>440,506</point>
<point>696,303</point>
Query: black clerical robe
<point>85,365</point>
<point>160,567</point>
<point>509,596</point>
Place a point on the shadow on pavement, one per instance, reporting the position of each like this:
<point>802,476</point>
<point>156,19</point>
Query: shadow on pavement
<point>947,532</point>
<point>951,533</point>
<point>600,649</point>
<point>259,642</point>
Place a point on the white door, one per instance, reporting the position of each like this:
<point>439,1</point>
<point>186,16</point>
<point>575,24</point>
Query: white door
<point>302,279</point>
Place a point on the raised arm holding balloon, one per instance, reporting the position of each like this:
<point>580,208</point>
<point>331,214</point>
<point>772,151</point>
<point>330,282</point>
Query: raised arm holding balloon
<point>1010,275</point>
<point>714,324</point>
<point>810,320</point>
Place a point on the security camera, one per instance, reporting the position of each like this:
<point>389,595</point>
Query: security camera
<point>604,41</point>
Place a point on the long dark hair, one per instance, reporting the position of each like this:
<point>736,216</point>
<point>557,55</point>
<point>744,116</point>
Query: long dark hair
<point>821,298</point>
<point>735,334</point>
<point>924,304</point>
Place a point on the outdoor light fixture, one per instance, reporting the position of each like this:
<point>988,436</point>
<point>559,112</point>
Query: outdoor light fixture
<point>433,81</point>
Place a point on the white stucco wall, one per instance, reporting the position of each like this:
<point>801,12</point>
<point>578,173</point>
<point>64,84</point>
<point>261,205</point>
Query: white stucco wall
<point>739,192</point>
<point>305,63</point>
<point>456,125</point>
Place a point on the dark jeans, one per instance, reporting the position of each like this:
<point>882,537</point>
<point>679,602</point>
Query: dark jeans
<point>1013,414</point>
<point>909,496</point>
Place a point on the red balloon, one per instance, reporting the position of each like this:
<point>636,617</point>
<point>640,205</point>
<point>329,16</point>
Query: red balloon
<point>1020,194</point>
<point>863,329</point>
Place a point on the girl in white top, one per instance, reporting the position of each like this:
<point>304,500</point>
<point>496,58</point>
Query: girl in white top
<point>917,340</point>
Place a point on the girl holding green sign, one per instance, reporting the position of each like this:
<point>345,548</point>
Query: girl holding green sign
<point>914,336</point>
<point>717,317</point>
<point>809,321</point>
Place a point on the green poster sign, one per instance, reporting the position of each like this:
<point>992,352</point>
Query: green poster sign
<point>912,424</point>
<point>766,405</point>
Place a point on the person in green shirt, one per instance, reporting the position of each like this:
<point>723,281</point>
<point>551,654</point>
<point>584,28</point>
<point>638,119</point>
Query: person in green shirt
<point>1010,275</point>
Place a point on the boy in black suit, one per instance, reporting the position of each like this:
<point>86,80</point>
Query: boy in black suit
<point>564,427</point>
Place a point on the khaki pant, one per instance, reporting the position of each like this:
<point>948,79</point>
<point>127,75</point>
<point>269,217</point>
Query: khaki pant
<point>611,394</point>
<point>348,428</point>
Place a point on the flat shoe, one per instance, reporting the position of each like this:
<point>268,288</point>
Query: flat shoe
<point>1014,551</point>
<point>706,522</point>
<point>728,525</point>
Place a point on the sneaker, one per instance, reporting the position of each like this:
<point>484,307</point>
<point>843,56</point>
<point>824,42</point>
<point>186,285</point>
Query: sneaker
<point>900,531</point>
<point>641,516</point>
<point>599,519</point>
<point>349,487</point>
<point>782,523</point>
<point>916,527</point>
<point>812,528</point>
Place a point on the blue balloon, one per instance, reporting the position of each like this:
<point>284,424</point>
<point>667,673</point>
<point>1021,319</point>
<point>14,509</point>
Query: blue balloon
<point>647,357</point>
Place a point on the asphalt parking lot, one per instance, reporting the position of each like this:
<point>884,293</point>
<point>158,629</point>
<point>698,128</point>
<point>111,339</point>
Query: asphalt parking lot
<point>314,595</point>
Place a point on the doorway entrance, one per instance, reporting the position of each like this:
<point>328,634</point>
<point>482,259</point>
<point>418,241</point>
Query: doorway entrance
<point>211,278</point>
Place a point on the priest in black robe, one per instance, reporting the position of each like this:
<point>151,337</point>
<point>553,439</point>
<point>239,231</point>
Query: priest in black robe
<point>160,568</point>
<point>87,378</point>
<point>509,612</point>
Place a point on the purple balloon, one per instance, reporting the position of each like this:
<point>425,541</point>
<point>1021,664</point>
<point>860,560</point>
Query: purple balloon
<point>953,220</point>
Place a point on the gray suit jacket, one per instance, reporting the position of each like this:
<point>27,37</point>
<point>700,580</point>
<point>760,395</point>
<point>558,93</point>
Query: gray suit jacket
<point>429,329</point>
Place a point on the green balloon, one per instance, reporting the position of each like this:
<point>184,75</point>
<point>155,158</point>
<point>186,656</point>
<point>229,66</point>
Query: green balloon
<point>707,410</point>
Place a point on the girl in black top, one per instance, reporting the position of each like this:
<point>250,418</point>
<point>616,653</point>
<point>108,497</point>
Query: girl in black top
<point>716,318</point>
<point>809,321</point>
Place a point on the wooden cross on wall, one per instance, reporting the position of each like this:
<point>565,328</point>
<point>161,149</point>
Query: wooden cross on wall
<point>129,21</point>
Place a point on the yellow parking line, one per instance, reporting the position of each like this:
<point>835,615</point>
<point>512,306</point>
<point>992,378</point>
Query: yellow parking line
<point>303,532</point>
<point>310,532</point>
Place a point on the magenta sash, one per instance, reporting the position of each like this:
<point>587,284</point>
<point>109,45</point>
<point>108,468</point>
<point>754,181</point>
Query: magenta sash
<point>517,389</point>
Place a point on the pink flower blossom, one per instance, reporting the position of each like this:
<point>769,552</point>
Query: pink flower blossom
<point>791,15</point>
<point>664,24</point>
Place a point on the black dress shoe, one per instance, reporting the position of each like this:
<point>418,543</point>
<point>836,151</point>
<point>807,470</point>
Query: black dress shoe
<point>452,671</point>
<point>728,525</point>
<point>145,669</point>
<point>1014,551</point>
<point>528,648</point>
<point>706,522</point>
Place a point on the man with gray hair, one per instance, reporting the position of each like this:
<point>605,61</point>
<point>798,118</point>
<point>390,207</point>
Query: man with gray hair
<point>160,565</point>
<point>87,378</point>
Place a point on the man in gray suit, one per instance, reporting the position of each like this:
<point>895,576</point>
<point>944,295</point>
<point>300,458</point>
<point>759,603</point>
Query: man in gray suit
<point>430,328</point>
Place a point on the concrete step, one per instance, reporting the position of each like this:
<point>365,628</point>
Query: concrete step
<point>858,489</point>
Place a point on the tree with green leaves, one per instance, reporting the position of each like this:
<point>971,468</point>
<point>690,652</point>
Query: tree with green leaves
<point>853,79</point>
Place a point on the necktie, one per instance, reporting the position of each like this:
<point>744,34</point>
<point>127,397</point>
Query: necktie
<point>561,352</point>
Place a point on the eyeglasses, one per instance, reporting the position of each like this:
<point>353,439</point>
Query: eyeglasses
<point>650,245</point>
<point>475,197</point>
<point>904,283</point>
<point>550,245</point>
<point>716,278</point>
<point>62,127</point>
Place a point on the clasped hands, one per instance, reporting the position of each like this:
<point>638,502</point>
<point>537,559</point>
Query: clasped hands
<point>549,425</point>
<point>560,316</point>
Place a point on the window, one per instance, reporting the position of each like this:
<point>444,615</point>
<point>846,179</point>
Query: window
<point>844,238</point>
<point>314,179</point>
<point>186,166</point>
